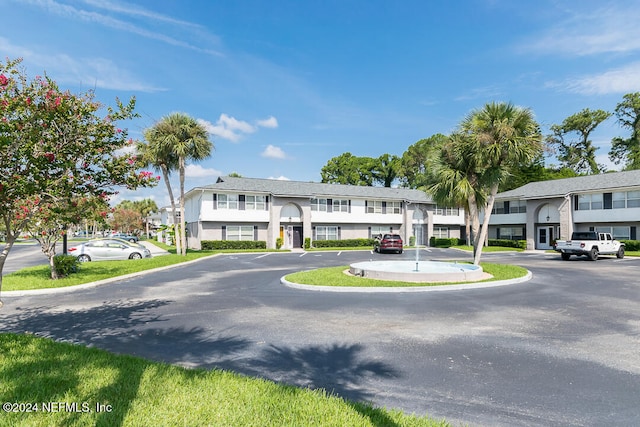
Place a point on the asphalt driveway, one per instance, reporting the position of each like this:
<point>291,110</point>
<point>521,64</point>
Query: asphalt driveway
<point>561,349</point>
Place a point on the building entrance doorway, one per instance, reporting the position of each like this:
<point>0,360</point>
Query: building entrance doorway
<point>545,237</point>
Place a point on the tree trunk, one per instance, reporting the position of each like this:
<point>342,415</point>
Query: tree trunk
<point>484,230</point>
<point>165,174</point>
<point>3,257</point>
<point>183,233</point>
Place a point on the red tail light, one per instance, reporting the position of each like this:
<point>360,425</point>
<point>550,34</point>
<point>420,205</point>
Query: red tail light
<point>71,249</point>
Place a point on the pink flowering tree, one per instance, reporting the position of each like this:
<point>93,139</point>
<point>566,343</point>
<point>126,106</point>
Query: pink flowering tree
<point>55,149</point>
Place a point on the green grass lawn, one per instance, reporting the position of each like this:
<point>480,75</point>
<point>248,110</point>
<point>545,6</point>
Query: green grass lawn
<point>334,276</point>
<point>137,392</point>
<point>38,277</point>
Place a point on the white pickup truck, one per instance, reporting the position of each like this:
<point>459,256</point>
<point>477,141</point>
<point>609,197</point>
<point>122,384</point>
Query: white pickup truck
<point>591,244</point>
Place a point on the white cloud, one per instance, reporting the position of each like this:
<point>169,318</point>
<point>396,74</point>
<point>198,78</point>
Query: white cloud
<point>273,152</point>
<point>621,80</point>
<point>197,171</point>
<point>228,127</point>
<point>271,123</point>
<point>232,129</point>
<point>611,29</point>
<point>279,178</point>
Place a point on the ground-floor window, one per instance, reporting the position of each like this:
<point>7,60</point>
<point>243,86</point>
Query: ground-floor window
<point>323,232</point>
<point>618,233</point>
<point>379,229</point>
<point>239,232</point>
<point>511,233</point>
<point>440,232</point>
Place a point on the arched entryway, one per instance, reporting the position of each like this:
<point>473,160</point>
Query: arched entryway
<point>291,230</point>
<point>547,226</point>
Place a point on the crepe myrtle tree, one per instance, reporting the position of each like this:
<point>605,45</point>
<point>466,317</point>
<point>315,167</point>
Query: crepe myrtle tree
<point>57,147</point>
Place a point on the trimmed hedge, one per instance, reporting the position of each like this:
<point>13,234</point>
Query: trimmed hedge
<point>443,242</point>
<point>506,243</point>
<point>631,245</point>
<point>342,243</point>
<point>210,245</point>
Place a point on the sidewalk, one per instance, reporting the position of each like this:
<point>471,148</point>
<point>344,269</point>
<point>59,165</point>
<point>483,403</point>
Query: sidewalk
<point>155,250</point>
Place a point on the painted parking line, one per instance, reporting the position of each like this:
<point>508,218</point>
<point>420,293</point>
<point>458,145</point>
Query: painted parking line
<point>339,252</point>
<point>303,254</point>
<point>262,256</point>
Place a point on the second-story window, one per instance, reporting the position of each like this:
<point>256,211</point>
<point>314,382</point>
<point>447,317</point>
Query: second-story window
<point>319,205</point>
<point>255,203</point>
<point>227,201</point>
<point>340,205</point>
<point>374,206</point>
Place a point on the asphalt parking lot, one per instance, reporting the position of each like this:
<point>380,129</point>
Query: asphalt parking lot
<point>560,349</point>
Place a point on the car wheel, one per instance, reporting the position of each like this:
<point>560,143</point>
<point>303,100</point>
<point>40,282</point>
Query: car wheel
<point>593,255</point>
<point>84,258</point>
<point>565,257</point>
<point>132,240</point>
<point>400,251</point>
<point>135,255</point>
<point>620,253</point>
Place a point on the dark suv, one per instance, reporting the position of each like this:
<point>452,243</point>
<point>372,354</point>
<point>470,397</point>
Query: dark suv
<point>388,242</point>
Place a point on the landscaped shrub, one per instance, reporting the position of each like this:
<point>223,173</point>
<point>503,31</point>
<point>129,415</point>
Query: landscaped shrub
<point>521,244</point>
<point>210,245</point>
<point>440,242</point>
<point>279,242</point>
<point>342,243</point>
<point>631,245</point>
<point>307,242</point>
<point>65,264</point>
<point>412,240</point>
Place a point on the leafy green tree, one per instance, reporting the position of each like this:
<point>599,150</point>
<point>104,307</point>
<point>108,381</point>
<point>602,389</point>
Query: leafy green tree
<point>173,140</point>
<point>348,169</point>
<point>55,148</point>
<point>415,169</point>
<point>627,150</point>
<point>578,154</point>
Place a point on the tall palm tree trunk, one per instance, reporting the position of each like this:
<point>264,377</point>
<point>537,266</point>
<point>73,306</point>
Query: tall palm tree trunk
<point>183,233</point>
<point>174,212</point>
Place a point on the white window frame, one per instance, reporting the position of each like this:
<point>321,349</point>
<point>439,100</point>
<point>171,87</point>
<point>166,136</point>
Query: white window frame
<point>326,232</point>
<point>240,232</point>
<point>255,202</point>
<point>340,205</point>
<point>374,206</point>
<point>228,201</point>
<point>380,229</point>
<point>319,205</point>
<point>438,232</point>
<point>394,207</point>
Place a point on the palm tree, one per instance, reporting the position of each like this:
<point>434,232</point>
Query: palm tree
<point>501,136</point>
<point>177,138</point>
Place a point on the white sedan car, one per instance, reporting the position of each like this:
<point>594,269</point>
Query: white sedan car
<point>108,250</point>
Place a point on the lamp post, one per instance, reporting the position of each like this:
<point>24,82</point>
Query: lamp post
<point>415,235</point>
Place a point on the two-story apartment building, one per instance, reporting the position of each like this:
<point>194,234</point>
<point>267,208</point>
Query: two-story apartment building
<point>544,211</point>
<point>264,209</point>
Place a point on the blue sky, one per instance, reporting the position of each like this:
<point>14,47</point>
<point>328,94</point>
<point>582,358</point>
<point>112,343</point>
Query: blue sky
<point>283,86</point>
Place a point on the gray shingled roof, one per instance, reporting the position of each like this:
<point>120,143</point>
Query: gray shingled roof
<point>314,189</point>
<point>580,184</point>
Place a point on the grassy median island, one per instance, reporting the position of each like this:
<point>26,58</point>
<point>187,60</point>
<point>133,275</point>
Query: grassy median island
<point>74,381</point>
<point>334,276</point>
